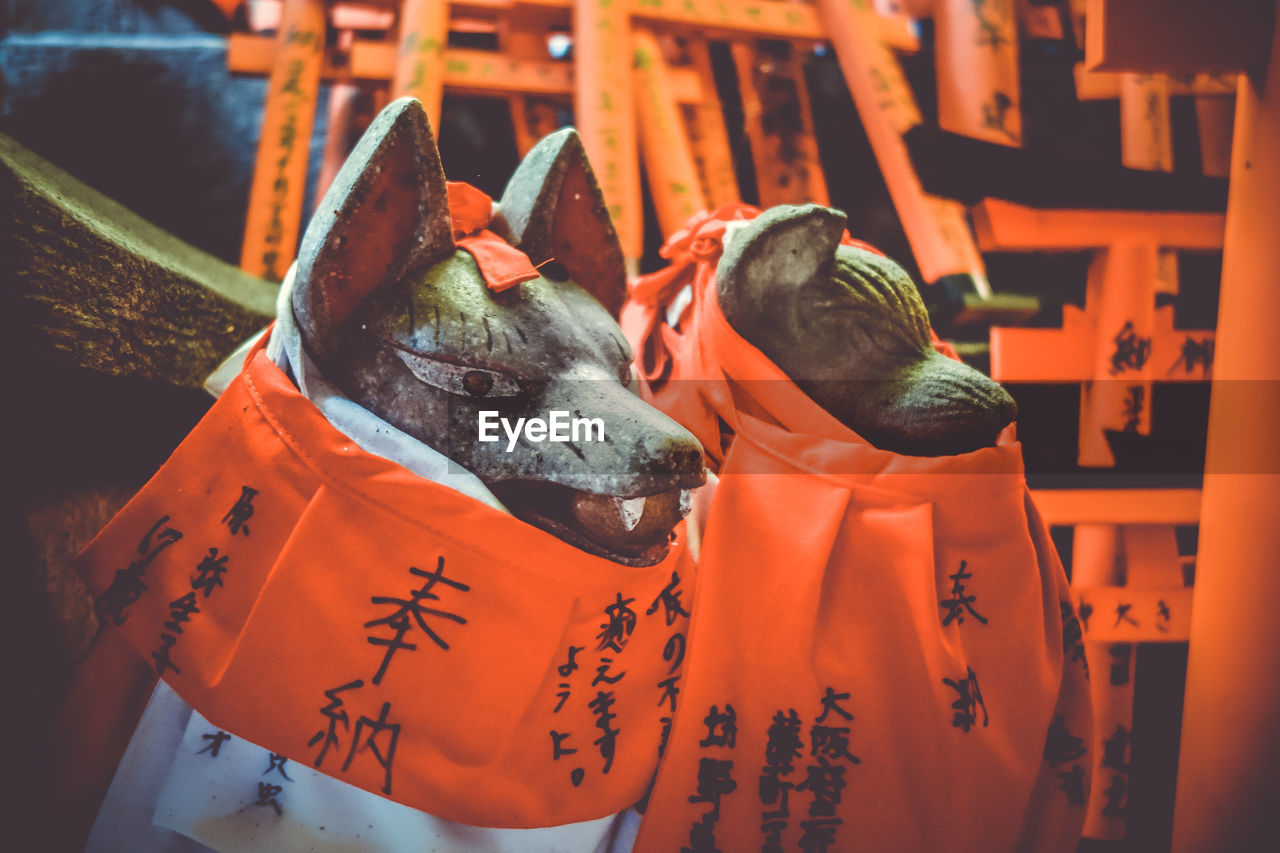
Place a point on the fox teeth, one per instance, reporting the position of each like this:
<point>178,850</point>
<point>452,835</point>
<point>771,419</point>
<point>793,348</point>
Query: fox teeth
<point>630,510</point>
<point>686,502</point>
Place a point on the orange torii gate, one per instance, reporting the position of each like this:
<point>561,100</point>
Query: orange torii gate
<point>606,92</point>
<point>414,59</point>
<point>418,61</point>
<point>1131,588</point>
<point>1120,342</point>
<point>1126,571</point>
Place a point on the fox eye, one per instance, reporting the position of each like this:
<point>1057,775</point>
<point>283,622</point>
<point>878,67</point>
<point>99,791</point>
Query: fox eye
<point>460,379</point>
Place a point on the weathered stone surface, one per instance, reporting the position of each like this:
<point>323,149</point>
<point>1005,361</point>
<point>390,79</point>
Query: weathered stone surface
<point>410,328</point>
<point>849,327</point>
<point>555,209</point>
<point>110,291</point>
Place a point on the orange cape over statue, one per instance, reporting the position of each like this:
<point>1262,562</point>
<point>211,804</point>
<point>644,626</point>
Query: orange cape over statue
<point>883,653</point>
<point>328,605</point>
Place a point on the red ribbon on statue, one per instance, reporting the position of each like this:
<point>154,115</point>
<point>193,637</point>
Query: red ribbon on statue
<point>883,653</point>
<point>502,265</point>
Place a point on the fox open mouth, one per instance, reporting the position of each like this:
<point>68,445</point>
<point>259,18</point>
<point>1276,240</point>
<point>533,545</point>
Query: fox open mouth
<point>634,531</point>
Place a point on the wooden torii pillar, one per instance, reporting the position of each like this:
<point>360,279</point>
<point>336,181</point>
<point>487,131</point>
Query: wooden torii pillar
<point>1228,783</point>
<point>1228,786</point>
<point>280,172</point>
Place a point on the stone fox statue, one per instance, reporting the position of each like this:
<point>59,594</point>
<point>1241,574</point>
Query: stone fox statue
<point>915,675</point>
<point>405,323</point>
<point>849,327</point>
<point>353,589</point>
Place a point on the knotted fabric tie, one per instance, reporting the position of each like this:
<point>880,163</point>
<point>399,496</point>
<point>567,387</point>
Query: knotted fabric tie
<point>502,265</point>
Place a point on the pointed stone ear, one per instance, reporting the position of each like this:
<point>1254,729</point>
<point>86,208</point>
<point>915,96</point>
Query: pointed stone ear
<point>387,212</point>
<point>554,209</point>
<point>770,257</point>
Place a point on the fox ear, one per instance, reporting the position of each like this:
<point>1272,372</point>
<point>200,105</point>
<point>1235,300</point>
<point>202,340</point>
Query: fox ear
<point>387,212</point>
<point>555,210</point>
<point>772,256</point>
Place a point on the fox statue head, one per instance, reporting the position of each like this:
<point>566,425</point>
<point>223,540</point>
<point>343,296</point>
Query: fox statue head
<point>849,328</point>
<point>403,322</point>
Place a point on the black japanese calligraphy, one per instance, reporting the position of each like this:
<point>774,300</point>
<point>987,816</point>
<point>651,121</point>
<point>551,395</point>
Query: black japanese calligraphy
<point>399,619</point>
<point>829,704</point>
<point>995,114</point>
<point>1086,610</point>
<point>959,602</point>
<point>1131,350</point>
<point>1195,353</point>
<point>1117,796</point>
<point>127,586</point>
<point>1115,750</point>
<point>384,754</point>
<point>209,572</point>
<point>1135,403</point>
<point>826,782</point>
<point>817,835</point>
<point>622,621</point>
<point>1060,745</point>
<point>784,745</point>
<point>715,779</point>
<point>216,739</point>
<point>601,706</point>
<point>669,691</point>
<point>1072,636</point>
<point>161,655</point>
<point>276,763</point>
<point>180,611</point>
<point>1121,663</point>
<point>557,750</point>
<point>969,701</point>
<point>989,32</point>
<point>1071,783</point>
<point>335,714</point>
<point>237,518</point>
<point>830,743</point>
<point>567,669</point>
<point>673,651</point>
<point>267,794</point>
<point>702,837</point>
<point>781,750</point>
<point>722,727</point>
<point>669,600</point>
<point>603,674</point>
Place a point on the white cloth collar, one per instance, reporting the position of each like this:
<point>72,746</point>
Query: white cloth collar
<point>366,429</point>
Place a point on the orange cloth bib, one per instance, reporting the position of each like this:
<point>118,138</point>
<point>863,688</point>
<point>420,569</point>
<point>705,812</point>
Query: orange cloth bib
<point>884,654</point>
<point>329,605</point>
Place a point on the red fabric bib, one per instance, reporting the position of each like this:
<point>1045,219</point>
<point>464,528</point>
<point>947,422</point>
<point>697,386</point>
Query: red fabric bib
<point>883,653</point>
<point>331,606</point>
